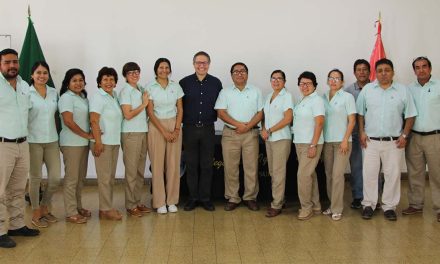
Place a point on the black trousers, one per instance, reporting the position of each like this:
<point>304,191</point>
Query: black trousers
<point>198,143</point>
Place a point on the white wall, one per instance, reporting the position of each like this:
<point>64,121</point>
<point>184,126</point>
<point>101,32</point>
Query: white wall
<point>291,35</point>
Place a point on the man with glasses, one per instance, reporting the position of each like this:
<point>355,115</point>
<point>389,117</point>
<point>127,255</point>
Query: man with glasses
<point>14,149</point>
<point>424,144</point>
<point>381,106</point>
<point>201,91</point>
<point>240,107</point>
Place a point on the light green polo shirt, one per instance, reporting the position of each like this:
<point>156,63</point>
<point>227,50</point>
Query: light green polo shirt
<point>41,123</point>
<point>79,107</point>
<point>384,110</point>
<point>164,99</point>
<point>274,113</point>
<point>427,100</point>
<point>240,105</point>
<point>132,96</point>
<point>110,120</point>
<point>337,111</point>
<point>304,114</point>
<point>14,108</point>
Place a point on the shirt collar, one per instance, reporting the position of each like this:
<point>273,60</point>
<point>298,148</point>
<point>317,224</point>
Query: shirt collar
<point>393,85</point>
<point>19,79</point>
<point>203,80</point>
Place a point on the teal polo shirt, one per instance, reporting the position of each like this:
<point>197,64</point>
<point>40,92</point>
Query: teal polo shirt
<point>274,113</point>
<point>110,119</point>
<point>165,99</point>
<point>79,107</point>
<point>240,105</point>
<point>384,109</point>
<point>41,123</point>
<point>133,97</point>
<point>427,100</point>
<point>14,108</point>
<point>337,111</point>
<point>304,115</point>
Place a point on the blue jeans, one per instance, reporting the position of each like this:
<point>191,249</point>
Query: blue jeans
<point>356,167</point>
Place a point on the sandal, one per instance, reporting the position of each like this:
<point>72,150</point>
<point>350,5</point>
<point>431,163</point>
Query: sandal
<point>50,218</point>
<point>76,219</point>
<point>39,222</point>
<point>84,212</point>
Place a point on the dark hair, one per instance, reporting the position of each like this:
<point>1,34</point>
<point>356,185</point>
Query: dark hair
<point>359,62</point>
<point>239,63</point>
<point>130,66</point>
<point>384,61</point>
<point>69,75</point>
<point>280,72</point>
<point>106,71</point>
<point>419,59</point>
<point>201,53</point>
<point>308,75</point>
<point>158,62</point>
<point>36,65</point>
<point>338,71</point>
<point>6,52</point>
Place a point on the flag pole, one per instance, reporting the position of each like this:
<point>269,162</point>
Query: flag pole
<point>29,10</point>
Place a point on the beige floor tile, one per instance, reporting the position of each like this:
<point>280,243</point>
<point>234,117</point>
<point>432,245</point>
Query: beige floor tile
<point>204,254</point>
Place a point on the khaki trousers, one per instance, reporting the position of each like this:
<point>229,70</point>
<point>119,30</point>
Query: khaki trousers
<point>14,169</point>
<point>335,164</point>
<point>49,154</point>
<point>277,155</point>
<point>423,150</point>
<point>165,163</point>
<point>134,148</point>
<point>233,147</point>
<point>308,191</point>
<point>75,172</point>
<point>105,166</point>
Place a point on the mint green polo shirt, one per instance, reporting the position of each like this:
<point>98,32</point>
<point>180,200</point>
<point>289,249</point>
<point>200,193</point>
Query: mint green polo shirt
<point>304,114</point>
<point>274,113</point>
<point>427,100</point>
<point>110,119</point>
<point>41,123</point>
<point>133,97</point>
<point>79,107</point>
<point>384,110</point>
<point>164,99</point>
<point>14,108</point>
<point>240,105</point>
<point>337,111</point>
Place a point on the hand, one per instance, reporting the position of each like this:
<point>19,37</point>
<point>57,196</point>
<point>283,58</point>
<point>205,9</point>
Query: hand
<point>264,134</point>
<point>363,138</point>
<point>343,147</point>
<point>401,142</point>
<point>176,133</point>
<point>90,136</point>
<point>241,128</point>
<point>168,136</point>
<point>311,153</point>
<point>97,149</point>
<point>145,99</point>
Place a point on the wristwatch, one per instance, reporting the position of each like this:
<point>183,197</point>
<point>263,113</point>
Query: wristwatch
<point>313,146</point>
<point>404,136</point>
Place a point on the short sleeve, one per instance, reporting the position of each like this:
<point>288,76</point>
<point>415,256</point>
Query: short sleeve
<point>318,108</point>
<point>65,104</point>
<point>96,104</point>
<point>260,100</point>
<point>288,103</point>
<point>125,97</point>
<point>179,91</point>
<point>221,102</point>
<point>360,103</point>
<point>410,107</point>
<point>350,104</point>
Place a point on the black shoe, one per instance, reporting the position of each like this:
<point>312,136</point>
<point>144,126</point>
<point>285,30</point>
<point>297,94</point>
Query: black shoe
<point>367,213</point>
<point>6,242</point>
<point>190,205</point>
<point>24,231</point>
<point>208,206</point>
<point>356,204</point>
<point>390,215</point>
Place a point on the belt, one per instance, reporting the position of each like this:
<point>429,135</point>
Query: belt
<point>233,128</point>
<point>15,140</point>
<point>384,138</point>
<point>199,125</point>
<point>427,133</point>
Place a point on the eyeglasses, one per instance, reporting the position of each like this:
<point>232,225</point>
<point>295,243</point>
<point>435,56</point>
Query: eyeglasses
<point>201,63</point>
<point>306,84</point>
<point>335,79</point>
<point>280,79</point>
<point>135,72</point>
<point>242,72</point>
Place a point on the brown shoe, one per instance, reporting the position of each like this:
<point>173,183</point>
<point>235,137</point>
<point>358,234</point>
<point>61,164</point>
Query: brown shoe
<point>229,206</point>
<point>39,222</point>
<point>143,209</point>
<point>252,205</point>
<point>305,214</point>
<point>84,212</point>
<point>111,214</point>
<point>272,212</point>
<point>134,212</point>
<point>50,218</point>
<point>411,210</point>
<point>76,219</point>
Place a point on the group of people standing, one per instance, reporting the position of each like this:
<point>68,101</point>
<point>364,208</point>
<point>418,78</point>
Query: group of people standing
<point>161,116</point>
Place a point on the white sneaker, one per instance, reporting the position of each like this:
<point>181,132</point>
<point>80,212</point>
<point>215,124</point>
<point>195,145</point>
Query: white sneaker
<point>172,208</point>
<point>162,210</point>
<point>327,212</point>
<point>336,217</point>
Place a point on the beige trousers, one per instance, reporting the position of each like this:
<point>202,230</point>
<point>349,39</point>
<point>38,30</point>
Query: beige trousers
<point>49,154</point>
<point>165,163</point>
<point>308,191</point>
<point>14,169</point>
<point>422,150</point>
<point>277,155</point>
<point>75,172</point>
<point>235,146</point>
<point>134,148</point>
<point>335,164</point>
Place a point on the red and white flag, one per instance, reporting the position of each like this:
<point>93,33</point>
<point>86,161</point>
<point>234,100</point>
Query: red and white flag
<point>378,52</point>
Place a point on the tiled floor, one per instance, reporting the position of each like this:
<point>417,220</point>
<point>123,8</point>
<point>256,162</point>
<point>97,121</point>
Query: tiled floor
<point>240,236</point>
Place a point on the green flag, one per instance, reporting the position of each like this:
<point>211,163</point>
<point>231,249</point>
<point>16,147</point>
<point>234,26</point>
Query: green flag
<point>30,53</point>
